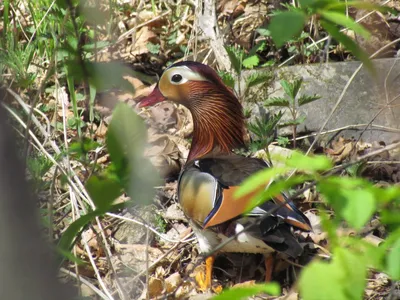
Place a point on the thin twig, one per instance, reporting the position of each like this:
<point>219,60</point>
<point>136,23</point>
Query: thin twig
<point>86,282</point>
<point>347,127</point>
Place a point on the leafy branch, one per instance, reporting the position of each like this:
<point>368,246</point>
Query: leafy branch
<point>292,102</point>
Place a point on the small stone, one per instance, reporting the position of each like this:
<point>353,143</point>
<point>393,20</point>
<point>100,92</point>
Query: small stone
<point>174,212</point>
<point>87,291</point>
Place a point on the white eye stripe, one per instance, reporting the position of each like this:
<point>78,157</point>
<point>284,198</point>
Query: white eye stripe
<point>186,74</point>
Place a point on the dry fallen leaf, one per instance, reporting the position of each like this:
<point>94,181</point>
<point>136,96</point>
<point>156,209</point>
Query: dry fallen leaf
<point>245,284</point>
<point>343,149</point>
<point>101,131</point>
<point>164,114</point>
<point>172,282</point>
<point>155,287</point>
<point>143,36</point>
<point>164,155</point>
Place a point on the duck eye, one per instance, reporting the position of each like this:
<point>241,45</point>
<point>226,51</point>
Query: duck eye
<point>176,78</point>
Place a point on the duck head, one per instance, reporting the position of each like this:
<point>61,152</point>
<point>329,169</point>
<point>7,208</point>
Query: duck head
<point>217,114</point>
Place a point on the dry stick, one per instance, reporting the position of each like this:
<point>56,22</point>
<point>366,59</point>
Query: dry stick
<point>50,203</point>
<point>21,27</point>
<point>193,36</point>
<point>388,162</point>
<point>209,25</point>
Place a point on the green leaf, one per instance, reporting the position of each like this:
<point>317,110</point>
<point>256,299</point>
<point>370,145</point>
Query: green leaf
<point>352,199</point>
<point>320,280</point>
<point>238,293</point>
<point>264,128</point>
<point>296,85</point>
<point>82,147</point>
<point>153,48</point>
<point>393,261</point>
<point>344,277</point>
<point>360,207</point>
<point>286,25</point>
<point>349,44</point>
<point>388,194</point>
<point>125,141</point>
<point>390,217</point>
<point>236,58</point>
<point>347,259</point>
<point>258,179</point>
<point>103,191</point>
<point>375,254</point>
<point>104,76</point>
<point>96,46</point>
<point>251,62</point>
<point>72,258</point>
<point>257,78</point>
<point>304,99</point>
<point>288,88</point>
<point>343,20</point>
<point>283,141</point>
<point>257,48</point>
<point>309,163</point>
<point>295,122</point>
<point>276,101</point>
<point>263,31</point>
<point>227,78</point>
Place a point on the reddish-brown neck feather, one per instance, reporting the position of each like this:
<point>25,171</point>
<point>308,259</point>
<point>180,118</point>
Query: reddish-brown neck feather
<point>217,117</point>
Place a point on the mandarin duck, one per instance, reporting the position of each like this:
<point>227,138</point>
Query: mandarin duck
<point>213,172</point>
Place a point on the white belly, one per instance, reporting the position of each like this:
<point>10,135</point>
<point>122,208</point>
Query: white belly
<point>243,243</point>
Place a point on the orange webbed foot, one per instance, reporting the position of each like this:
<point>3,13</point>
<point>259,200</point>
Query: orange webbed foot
<point>203,276</point>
